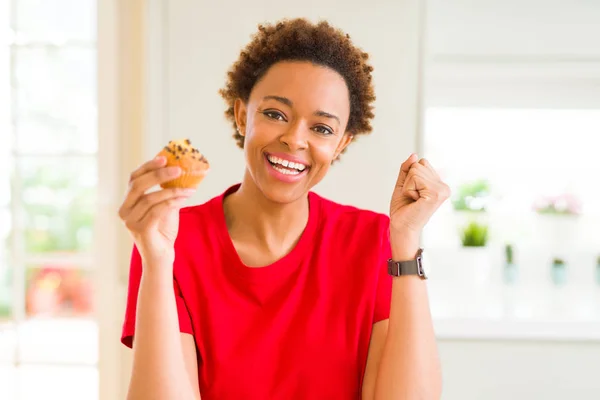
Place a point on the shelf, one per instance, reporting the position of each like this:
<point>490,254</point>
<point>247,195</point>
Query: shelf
<point>507,329</point>
<point>521,312</point>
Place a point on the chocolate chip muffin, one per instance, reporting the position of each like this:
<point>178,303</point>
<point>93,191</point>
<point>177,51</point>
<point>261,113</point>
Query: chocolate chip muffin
<point>194,166</point>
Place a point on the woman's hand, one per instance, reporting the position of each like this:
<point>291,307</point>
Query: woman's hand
<point>153,218</point>
<point>418,193</point>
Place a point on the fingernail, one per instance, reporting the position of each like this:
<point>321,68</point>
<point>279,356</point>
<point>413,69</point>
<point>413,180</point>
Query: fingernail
<point>160,159</point>
<point>188,191</point>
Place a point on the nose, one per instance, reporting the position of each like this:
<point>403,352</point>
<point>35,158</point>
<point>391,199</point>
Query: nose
<point>295,137</point>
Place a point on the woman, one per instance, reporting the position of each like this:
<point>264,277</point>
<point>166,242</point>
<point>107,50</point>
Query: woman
<point>270,291</point>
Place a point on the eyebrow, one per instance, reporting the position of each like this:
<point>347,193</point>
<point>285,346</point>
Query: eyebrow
<point>289,103</point>
<point>326,115</point>
<point>280,99</point>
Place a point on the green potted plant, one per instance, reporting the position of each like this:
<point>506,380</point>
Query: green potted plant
<point>472,196</point>
<point>475,234</point>
<point>474,259</point>
<point>470,204</point>
<point>598,270</point>
<point>510,267</point>
<point>508,252</point>
<point>559,271</point>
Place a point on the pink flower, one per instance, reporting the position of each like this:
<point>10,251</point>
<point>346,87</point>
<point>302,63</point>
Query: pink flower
<point>561,204</point>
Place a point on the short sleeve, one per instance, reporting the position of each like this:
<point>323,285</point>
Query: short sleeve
<point>383,296</point>
<point>135,275</point>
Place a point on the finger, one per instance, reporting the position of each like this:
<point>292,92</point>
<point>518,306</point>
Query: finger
<point>406,165</point>
<point>425,162</point>
<point>443,192</point>
<point>419,169</point>
<point>141,184</point>
<point>148,166</point>
<point>410,188</point>
<point>139,211</point>
<point>159,210</point>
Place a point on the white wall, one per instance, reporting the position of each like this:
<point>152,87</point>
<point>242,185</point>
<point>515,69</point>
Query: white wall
<point>514,28</point>
<point>195,42</point>
<point>514,53</point>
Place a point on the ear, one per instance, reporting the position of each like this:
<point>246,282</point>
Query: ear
<point>240,113</point>
<point>346,139</point>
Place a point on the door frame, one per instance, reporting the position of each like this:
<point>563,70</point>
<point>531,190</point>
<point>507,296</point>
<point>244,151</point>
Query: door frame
<point>126,41</point>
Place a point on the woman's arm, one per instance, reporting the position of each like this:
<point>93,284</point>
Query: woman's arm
<point>378,336</point>
<point>164,360</point>
<point>409,368</point>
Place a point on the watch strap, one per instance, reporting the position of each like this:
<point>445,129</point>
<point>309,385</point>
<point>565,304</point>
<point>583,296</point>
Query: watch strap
<point>410,267</point>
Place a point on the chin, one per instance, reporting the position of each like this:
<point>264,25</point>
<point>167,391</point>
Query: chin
<point>282,194</point>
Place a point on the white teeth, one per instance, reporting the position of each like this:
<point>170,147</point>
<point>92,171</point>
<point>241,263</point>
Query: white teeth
<point>297,166</point>
<point>286,163</point>
<point>286,171</point>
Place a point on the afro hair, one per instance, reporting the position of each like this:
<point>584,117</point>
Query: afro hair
<point>300,40</point>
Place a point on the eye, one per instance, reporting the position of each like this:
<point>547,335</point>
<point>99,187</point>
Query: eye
<point>276,115</point>
<point>323,130</point>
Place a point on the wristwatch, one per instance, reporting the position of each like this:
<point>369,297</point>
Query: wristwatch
<point>411,267</point>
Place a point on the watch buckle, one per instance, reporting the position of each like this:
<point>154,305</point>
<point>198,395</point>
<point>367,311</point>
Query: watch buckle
<point>420,267</point>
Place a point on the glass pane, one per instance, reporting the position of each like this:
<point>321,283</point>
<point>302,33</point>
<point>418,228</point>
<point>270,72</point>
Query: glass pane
<point>58,340</point>
<point>6,293</point>
<point>8,343</point>
<point>8,381</point>
<point>60,327</point>
<point>5,173</point>
<point>55,99</point>
<point>57,382</point>
<point>58,292</point>
<point>58,203</point>
<point>473,144</point>
<point>56,20</point>
<point>5,270</point>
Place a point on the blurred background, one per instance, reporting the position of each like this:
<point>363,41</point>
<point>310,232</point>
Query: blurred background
<point>502,96</point>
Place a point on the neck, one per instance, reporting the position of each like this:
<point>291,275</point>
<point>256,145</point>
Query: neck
<point>252,216</point>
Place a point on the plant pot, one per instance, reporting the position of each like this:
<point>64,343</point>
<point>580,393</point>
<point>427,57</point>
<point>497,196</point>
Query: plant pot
<point>559,274</point>
<point>510,273</point>
<point>557,231</point>
<point>474,266</point>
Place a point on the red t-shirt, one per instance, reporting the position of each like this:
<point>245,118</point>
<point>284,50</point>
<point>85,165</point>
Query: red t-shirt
<point>297,329</point>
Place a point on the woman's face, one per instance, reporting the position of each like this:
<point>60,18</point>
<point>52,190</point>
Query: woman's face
<point>294,126</point>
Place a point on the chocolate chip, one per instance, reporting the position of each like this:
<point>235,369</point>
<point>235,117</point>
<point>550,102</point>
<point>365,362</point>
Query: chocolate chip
<point>187,141</point>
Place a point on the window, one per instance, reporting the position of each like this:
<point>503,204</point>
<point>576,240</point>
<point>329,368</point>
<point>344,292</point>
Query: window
<point>48,179</point>
<point>522,230</point>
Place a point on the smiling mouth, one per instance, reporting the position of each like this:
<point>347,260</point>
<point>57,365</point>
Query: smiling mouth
<point>286,167</point>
